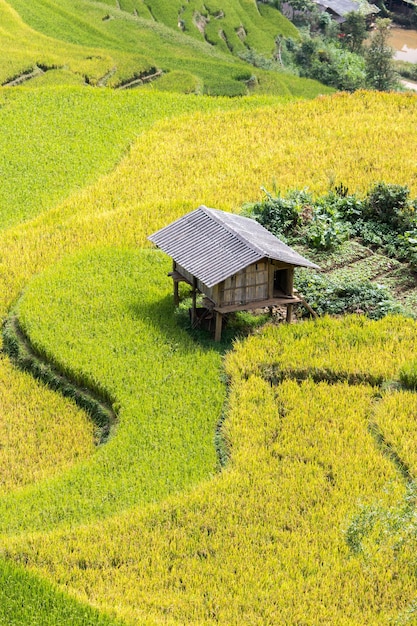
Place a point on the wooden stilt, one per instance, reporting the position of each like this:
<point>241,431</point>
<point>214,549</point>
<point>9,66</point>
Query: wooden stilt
<point>175,284</point>
<point>194,305</point>
<point>289,313</point>
<point>218,331</point>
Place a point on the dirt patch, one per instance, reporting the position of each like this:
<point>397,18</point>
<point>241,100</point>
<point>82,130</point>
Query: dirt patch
<point>145,77</point>
<point>200,22</point>
<point>24,76</point>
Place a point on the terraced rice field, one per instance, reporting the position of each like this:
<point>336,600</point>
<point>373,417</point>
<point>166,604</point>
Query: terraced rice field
<point>316,499</point>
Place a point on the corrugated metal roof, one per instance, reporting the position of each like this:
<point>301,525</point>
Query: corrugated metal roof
<point>213,245</point>
<point>343,7</point>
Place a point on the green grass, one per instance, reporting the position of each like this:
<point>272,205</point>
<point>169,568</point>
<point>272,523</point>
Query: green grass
<point>76,35</point>
<point>54,142</point>
<point>168,389</point>
<point>22,49</point>
<point>26,599</point>
<point>261,23</point>
<point>171,540</point>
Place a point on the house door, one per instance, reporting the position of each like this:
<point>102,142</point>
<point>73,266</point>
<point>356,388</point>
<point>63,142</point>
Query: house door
<point>282,282</point>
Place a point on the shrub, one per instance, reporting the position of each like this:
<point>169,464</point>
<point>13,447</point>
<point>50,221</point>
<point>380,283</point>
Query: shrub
<point>331,64</point>
<point>280,215</point>
<point>298,218</point>
<point>326,232</point>
<point>390,204</point>
<point>350,207</point>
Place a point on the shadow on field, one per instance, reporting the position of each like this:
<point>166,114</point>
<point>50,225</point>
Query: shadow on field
<point>175,325</point>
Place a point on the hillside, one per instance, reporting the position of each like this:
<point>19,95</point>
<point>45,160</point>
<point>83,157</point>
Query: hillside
<point>186,540</point>
<point>148,475</point>
<point>104,45</point>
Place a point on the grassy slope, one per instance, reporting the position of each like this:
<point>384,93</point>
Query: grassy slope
<point>23,47</point>
<point>55,142</point>
<point>25,599</point>
<point>260,24</point>
<point>164,441</point>
<point>124,46</point>
<point>120,211</point>
<point>247,546</point>
<point>132,203</point>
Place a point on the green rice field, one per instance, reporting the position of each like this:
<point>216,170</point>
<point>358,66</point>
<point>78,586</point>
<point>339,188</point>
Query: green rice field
<point>269,479</point>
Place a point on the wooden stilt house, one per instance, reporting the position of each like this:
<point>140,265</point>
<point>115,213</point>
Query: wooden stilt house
<point>234,261</point>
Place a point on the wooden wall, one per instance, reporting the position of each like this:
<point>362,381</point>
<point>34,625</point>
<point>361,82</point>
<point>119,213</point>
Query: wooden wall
<point>248,285</point>
<point>252,284</point>
<point>210,292</point>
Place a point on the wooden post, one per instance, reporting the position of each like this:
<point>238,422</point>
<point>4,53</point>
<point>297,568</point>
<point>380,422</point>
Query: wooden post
<point>176,291</point>
<point>194,306</point>
<point>289,313</point>
<point>176,294</point>
<point>218,331</point>
<point>271,272</point>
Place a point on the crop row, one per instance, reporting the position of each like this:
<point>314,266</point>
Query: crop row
<point>275,521</point>
<point>23,47</point>
<point>57,141</point>
<point>304,462</point>
<point>98,43</point>
<point>353,348</point>
<point>130,348</point>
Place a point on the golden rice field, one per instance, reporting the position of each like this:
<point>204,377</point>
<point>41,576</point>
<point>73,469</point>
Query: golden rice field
<point>247,545</point>
<point>311,520</point>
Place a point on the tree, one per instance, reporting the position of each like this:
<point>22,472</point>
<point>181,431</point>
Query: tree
<point>380,71</point>
<point>354,31</point>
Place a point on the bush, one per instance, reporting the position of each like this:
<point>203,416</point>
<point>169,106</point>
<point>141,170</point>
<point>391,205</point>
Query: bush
<point>389,204</point>
<point>331,64</point>
<point>281,216</point>
<point>326,232</point>
<point>350,207</point>
<point>297,218</point>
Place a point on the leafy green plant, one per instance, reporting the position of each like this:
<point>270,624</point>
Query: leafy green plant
<point>349,206</point>
<point>327,296</point>
<point>409,241</point>
<point>390,204</point>
<point>281,215</point>
<point>326,231</point>
<point>331,63</point>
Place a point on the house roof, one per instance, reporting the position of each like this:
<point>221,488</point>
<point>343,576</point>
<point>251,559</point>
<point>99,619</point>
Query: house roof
<point>343,7</point>
<point>213,245</point>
